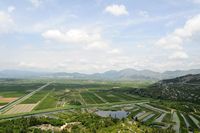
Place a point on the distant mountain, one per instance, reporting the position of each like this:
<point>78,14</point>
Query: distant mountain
<point>178,73</point>
<point>125,74</point>
<point>128,74</point>
<point>184,88</point>
<point>20,74</point>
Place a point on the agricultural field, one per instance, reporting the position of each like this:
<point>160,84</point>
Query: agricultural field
<point>53,98</point>
<point>21,108</point>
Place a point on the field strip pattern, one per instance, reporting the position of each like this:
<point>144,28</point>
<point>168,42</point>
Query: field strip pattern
<point>154,108</point>
<point>21,108</point>
<point>139,114</point>
<point>123,97</point>
<point>176,126</point>
<point>159,119</point>
<point>10,105</point>
<point>119,96</point>
<point>91,98</point>
<point>43,98</point>
<point>100,98</point>
<point>148,117</point>
<point>195,121</point>
<point>87,98</point>
<point>144,115</point>
<point>186,122</point>
<point>82,99</point>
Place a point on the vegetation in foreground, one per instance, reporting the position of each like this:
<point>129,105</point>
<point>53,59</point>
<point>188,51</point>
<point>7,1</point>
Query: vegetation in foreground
<point>77,122</point>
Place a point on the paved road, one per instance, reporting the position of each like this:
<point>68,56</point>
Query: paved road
<point>10,105</point>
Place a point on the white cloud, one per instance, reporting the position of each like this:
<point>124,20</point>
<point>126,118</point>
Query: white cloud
<point>6,22</point>
<point>140,46</point>
<point>114,51</point>
<point>143,13</point>
<point>92,39</point>
<point>178,55</point>
<point>36,3</point>
<point>175,39</point>
<point>116,10</point>
<point>196,1</point>
<point>11,9</point>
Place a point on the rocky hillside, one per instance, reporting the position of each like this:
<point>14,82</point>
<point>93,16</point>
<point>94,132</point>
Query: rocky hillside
<point>185,88</point>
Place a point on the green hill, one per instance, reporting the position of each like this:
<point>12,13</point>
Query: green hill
<point>185,88</point>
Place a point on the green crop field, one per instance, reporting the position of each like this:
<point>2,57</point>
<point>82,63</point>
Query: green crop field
<point>90,98</point>
<point>49,101</point>
<point>36,97</point>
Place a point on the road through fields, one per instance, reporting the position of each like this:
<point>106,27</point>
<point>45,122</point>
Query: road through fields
<point>10,105</point>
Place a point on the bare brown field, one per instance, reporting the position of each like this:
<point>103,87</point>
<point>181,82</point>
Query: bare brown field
<point>21,108</point>
<point>7,100</point>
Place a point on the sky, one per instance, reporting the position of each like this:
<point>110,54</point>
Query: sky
<point>90,36</point>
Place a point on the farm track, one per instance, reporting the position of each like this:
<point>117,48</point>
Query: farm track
<point>103,100</point>
<point>10,105</point>
<point>82,99</point>
<point>176,126</point>
<point>140,114</point>
<point>195,121</point>
<point>159,119</point>
<point>148,117</point>
<point>154,108</point>
<point>42,99</point>
<point>91,99</point>
<point>144,115</point>
<point>185,120</point>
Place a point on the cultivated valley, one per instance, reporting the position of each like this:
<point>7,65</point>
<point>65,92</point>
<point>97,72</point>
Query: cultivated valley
<point>99,66</point>
<point>64,105</point>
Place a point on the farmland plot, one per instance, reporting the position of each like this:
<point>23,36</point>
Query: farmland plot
<point>35,98</point>
<point>154,108</point>
<point>183,123</point>
<point>139,114</point>
<point>167,118</point>
<point>176,126</point>
<point>195,121</point>
<point>109,97</point>
<point>90,98</point>
<point>190,122</point>
<point>186,122</point>
<point>124,96</point>
<point>148,117</point>
<point>7,100</point>
<point>159,119</point>
<point>49,101</point>
<point>21,108</point>
<point>144,115</point>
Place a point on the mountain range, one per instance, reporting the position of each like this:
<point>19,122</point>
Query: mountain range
<point>125,74</point>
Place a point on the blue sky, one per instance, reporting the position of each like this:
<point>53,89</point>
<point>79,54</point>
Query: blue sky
<point>98,35</point>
